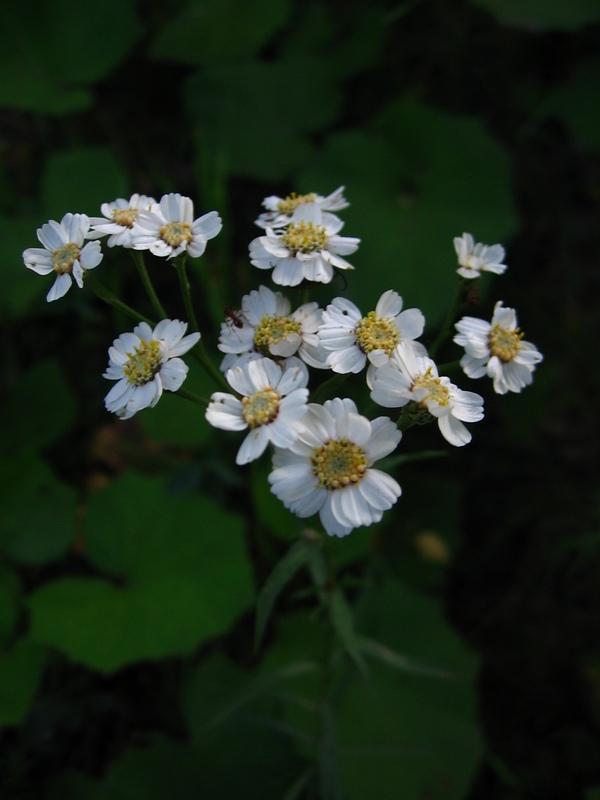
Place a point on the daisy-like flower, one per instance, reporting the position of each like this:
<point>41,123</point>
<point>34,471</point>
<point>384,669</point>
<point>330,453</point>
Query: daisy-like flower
<point>265,325</point>
<point>63,253</point>
<point>308,249</point>
<point>415,379</point>
<point>280,210</point>
<point>473,259</point>
<point>169,228</point>
<point>329,467</point>
<point>351,339</point>
<point>146,362</point>
<point>118,219</point>
<point>273,400</point>
<point>497,349</point>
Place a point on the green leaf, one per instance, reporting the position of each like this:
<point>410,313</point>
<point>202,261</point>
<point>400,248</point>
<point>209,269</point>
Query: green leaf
<point>342,622</point>
<point>237,119</point>
<point>296,557</point>
<point>80,180</point>
<point>21,285</point>
<point>37,511</point>
<point>21,423</point>
<point>179,421</point>
<point>209,31</point>
<point>536,16</point>
<point>20,672</point>
<point>38,72</point>
<point>184,577</point>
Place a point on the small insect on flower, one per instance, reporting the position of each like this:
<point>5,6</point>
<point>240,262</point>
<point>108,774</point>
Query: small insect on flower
<point>234,317</point>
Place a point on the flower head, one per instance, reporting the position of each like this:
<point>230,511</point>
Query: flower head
<point>415,379</point>
<point>473,259</point>
<point>146,362</point>
<point>329,467</point>
<point>497,349</point>
<point>169,228</point>
<point>63,253</point>
<point>119,217</point>
<point>307,249</point>
<point>351,339</point>
<point>265,325</point>
<point>280,210</point>
<point>273,400</point>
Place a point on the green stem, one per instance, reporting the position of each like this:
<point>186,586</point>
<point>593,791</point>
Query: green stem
<point>449,366</point>
<point>448,322</point>
<point>184,285</point>
<point>138,259</point>
<point>105,294</point>
<point>193,397</point>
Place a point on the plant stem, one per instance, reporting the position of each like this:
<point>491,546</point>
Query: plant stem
<point>193,397</point>
<point>138,259</point>
<point>184,285</point>
<point>448,322</point>
<point>105,294</point>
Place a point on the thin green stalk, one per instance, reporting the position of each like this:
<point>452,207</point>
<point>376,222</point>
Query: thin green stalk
<point>105,294</point>
<point>184,285</point>
<point>195,398</point>
<point>449,366</point>
<point>448,322</point>
<point>138,259</point>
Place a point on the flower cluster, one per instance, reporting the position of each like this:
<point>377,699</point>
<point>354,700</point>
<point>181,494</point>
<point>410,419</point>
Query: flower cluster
<point>323,453</point>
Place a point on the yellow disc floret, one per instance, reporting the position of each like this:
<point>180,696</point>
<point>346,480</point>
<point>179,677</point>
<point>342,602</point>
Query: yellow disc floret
<point>436,390</point>
<point>174,233</point>
<point>304,237</point>
<point>125,216</point>
<point>292,201</point>
<point>338,463</point>
<point>261,407</point>
<point>376,333</point>
<point>143,363</point>
<point>504,343</point>
<point>64,258</point>
<point>273,329</point>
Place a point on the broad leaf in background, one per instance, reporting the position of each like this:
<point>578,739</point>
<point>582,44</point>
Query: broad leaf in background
<point>37,511</point>
<point>551,14</point>
<point>255,115</point>
<point>20,672</point>
<point>415,179</point>
<point>79,181</point>
<point>215,31</point>
<point>576,102</point>
<point>181,576</point>
<point>38,59</point>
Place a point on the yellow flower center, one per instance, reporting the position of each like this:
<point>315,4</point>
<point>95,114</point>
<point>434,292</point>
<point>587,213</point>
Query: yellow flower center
<point>273,329</point>
<point>64,258</point>
<point>376,333</point>
<point>436,391</point>
<point>338,463</point>
<point>304,237</point>
<point>504,343</point>
<point>143,363</point>
<point>261,407</point>
<point>174,233</point>
<point>125,216</point>
<point>292,201</point>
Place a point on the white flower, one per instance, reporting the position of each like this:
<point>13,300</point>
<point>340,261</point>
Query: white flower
<point>144,363</point>
<point>351,339</point>
<point>473,259</point>
<point>118,219</point>
<point>265,325</point>
<point>273,400</point>
<point>415,379</point>
<point>308,249</point>
<point>281,209</point>
<point>328,468</point>
<point>63,253</point>
<point>497,349</point>
<point>170,228</point>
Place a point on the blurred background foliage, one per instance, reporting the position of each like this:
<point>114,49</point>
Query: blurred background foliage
<point>456,650</point>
